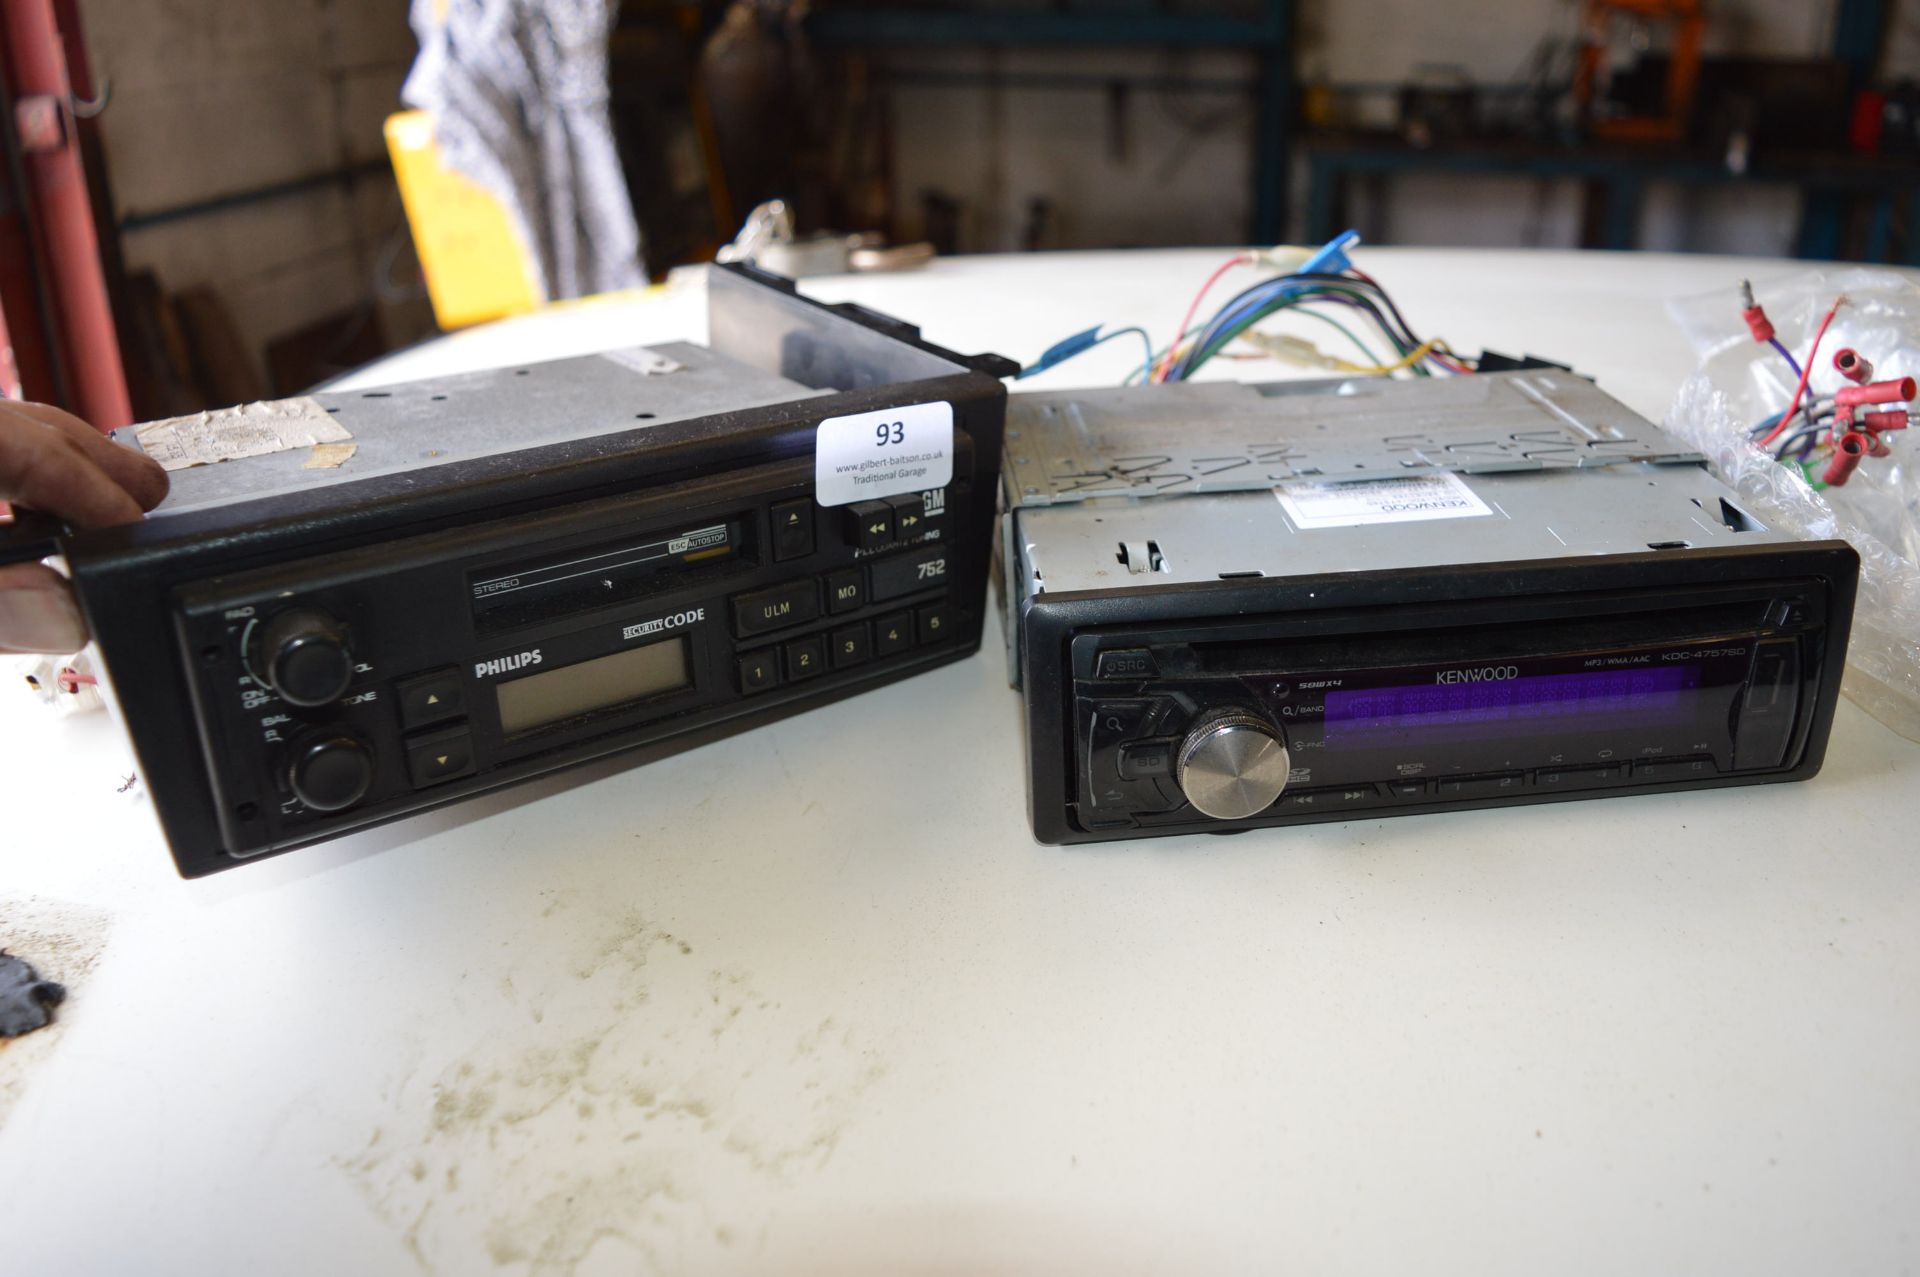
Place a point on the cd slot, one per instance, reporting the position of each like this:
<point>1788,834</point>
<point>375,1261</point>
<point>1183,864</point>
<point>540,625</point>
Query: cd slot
<point>1468,642</point>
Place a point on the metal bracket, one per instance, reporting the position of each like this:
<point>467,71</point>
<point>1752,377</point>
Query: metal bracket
<point>1226,437</point>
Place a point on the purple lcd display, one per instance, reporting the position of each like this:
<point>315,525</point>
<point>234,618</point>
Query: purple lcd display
<point>1382,717</point>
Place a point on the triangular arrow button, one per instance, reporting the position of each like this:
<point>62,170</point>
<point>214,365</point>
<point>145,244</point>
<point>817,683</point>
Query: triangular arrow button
<point>442,760</point>
<point>432,699</point>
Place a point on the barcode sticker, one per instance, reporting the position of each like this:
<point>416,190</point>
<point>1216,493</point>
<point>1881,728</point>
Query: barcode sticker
<point>1435,495</point>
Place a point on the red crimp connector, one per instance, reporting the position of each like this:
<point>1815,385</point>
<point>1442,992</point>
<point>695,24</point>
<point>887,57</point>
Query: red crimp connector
<point>1756,316</point>
<point>1878,421</point>
<point>1898,391</point>
<point>1852,365</point>
<point>1846,458</point>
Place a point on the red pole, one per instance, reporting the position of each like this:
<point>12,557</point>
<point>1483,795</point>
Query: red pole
<point>66,241</point>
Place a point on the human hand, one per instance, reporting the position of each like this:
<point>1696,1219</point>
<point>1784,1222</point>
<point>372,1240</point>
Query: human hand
<point>56,464</point>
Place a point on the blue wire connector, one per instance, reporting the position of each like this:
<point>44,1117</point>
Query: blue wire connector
<point>1067,347</point>
<point>1332,257</point>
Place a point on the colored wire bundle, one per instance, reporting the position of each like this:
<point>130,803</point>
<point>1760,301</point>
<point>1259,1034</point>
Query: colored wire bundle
<point>1320,284</point>
<point>1843,429</point>
<point>1301,291</point>
<point>1800,388</point>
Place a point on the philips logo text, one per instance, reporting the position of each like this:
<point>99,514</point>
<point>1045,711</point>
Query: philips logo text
<point>506,664</point>
<point>1488,674</point>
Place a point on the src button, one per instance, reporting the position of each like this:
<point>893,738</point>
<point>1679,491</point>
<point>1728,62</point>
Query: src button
<point>1126,662</point>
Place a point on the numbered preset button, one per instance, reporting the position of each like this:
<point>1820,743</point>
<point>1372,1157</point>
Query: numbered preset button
<point>934,623</point>
<point>806,657</point>
<point>849,646</point>
<point>759,671</point>
<point>893,633</point>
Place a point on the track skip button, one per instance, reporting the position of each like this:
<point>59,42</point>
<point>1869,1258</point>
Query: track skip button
<point>1327,799</point>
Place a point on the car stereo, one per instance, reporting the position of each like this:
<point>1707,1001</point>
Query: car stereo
<point>1233,606</point>
<point>366,604</point>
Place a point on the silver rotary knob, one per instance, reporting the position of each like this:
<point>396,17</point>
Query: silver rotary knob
<point>1232,765</point>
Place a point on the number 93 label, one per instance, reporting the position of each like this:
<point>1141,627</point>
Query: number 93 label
<point>883,454</point>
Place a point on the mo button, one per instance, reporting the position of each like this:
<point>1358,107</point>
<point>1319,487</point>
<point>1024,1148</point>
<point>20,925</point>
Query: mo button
<point>777,608</point>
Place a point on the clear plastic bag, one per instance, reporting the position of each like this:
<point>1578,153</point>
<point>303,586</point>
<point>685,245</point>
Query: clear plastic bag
<point>1739,382</point>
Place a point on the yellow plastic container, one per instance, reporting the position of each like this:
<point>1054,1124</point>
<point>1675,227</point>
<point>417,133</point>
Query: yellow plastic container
<point>475,266</point>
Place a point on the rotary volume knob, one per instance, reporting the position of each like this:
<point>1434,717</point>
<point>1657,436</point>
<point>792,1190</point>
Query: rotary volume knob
<point>302,655</point>
<point>1232,765</point>
<point>330,771</point>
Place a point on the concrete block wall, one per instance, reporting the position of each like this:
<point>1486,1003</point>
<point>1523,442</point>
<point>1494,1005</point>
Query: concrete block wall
<point>217,98</point>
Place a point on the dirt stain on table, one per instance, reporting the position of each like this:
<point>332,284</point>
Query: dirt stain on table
<point>638,1120</point>
<point>63,943</point>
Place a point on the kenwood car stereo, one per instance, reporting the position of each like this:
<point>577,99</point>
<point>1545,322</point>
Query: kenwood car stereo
<point>1233,606</point>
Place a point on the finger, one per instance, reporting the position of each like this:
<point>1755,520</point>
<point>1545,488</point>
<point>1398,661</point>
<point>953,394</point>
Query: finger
<point>44,469</point>
<point>133,470</point>
<point>37,612</point>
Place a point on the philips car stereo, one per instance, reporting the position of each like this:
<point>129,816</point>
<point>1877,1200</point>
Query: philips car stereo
<point>1232,606</point>
<point>371,603</point>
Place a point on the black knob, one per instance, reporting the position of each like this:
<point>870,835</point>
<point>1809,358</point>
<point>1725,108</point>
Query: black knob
<point>302,655</point>
<point>330,771</point>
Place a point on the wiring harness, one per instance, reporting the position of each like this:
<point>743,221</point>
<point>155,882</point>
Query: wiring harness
<point>1838,432</point>
<point>1320,284</point>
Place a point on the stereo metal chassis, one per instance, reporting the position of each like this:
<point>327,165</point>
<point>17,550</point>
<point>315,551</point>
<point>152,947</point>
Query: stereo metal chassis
<point>1197,655</point>
<point>522,570</point>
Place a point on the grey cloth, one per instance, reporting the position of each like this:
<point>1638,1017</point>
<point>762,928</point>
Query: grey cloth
<point>518,94</point>
<point>26,1001</point>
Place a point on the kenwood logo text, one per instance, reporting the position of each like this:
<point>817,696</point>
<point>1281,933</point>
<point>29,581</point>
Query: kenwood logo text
<point>1487,674</point>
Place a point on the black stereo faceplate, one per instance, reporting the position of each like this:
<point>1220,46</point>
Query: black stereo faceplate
<point>139,584</point>
<point>1159,657</point>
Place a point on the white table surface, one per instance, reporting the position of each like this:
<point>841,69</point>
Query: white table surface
<point>812,999</point>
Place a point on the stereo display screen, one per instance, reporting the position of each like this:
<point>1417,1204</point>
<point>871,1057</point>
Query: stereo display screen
<point>1382,717</point>
<point>600,683</point>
